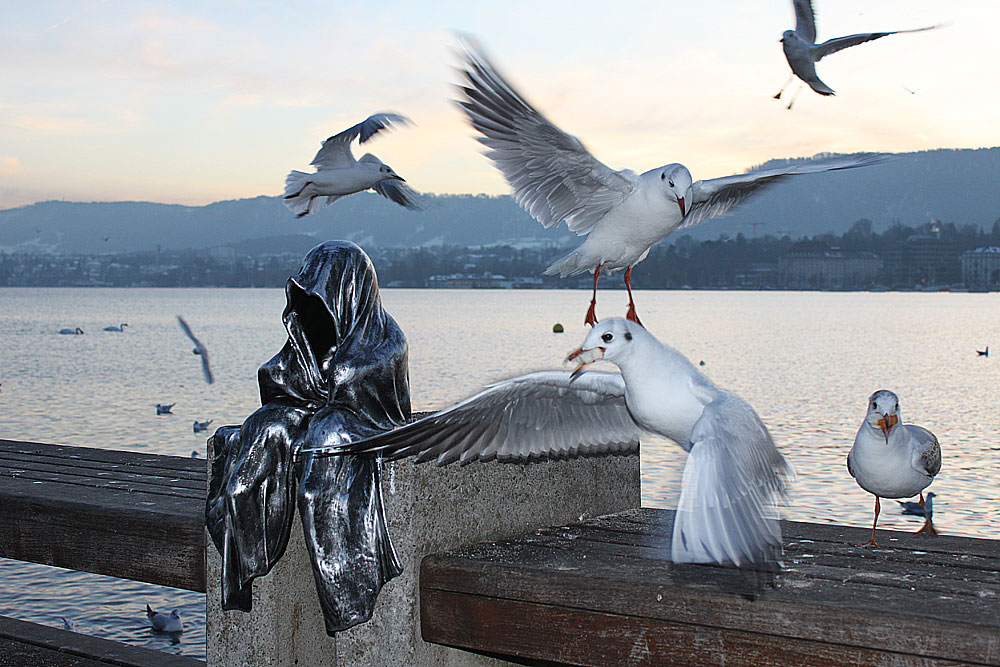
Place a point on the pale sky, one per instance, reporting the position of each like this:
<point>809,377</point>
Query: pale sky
<point>194,102</point>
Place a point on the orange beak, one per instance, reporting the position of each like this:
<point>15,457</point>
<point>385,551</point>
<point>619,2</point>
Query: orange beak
<point>886,422</point>
<point>680,202</point>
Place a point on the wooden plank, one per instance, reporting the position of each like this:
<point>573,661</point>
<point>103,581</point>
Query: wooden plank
<point>897,567</point>
<point>942,607</point>
<point>659,523</point>
<point>126,524</point>
<point>23,644</point>
<point>577,637</point>
<point>112,456</point>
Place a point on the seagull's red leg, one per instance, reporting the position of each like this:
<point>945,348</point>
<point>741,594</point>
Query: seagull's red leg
<point>871,542</point>
<point>630,315</point>
<point>591,317</point>
<point>928,527</point>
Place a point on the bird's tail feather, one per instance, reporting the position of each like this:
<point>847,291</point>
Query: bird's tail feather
<point>821,88</point>
<point>567,266</point>
<point>296,198</point>
<point>724,516</point>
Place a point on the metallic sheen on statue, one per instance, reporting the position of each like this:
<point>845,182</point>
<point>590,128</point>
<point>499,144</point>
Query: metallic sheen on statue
<point>342,375</point>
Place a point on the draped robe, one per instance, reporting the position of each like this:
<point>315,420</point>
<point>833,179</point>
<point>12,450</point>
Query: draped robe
<point>341,375</point>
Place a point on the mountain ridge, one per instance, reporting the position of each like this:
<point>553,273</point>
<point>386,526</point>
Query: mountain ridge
<point>951,185</point>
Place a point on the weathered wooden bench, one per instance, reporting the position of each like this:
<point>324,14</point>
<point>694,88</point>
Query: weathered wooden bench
<point>603,592</point>
<point>124,514</point>
<point>598,592</point>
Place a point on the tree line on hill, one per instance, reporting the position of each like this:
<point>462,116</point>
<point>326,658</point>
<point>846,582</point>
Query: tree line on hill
<point>682,261</point>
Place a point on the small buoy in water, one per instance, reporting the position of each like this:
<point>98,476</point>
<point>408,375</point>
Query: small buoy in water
<point>701,363</point>
<point>557,328</point>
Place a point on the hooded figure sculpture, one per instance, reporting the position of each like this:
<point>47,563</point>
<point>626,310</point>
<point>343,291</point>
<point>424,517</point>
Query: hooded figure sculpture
<point>342,375</point>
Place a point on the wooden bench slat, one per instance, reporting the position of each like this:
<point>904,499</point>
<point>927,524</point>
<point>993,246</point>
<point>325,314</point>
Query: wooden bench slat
<point>861,605</point>
<point>24,643</point>
<point>894,571</point>
<point>652,521</point>
<point>135,484</point>
<point>119,527</point>
<point>896,564</point>
<point>185,478</point>
<point>112,456</point>
<point>535,631</point>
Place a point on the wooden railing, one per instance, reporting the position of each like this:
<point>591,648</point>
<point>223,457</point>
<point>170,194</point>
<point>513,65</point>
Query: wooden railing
<point>598,591</point>
<point>123,514</point>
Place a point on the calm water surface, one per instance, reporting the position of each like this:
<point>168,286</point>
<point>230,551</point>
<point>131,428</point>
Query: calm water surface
<point>806,361</point>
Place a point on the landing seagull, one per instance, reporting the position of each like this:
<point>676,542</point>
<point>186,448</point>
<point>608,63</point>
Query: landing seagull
<point>198,349</point>
<point>734,475</point>
<point>891,459</point>
<point>621,213</point>
<point>338,174</point>
<point>165,622</point>
<point>802,53</point>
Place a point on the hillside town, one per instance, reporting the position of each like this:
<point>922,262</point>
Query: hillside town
<point>933,255</point>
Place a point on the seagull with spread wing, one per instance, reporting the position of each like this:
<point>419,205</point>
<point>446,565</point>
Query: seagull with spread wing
<point>734,475</point>
<point>802,53</point>
<point>338,174</point>
<point>199,349</point>
<point>622,214</point>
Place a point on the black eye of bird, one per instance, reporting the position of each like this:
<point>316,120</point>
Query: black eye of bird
<point>607,337</point>
<point>670,183</point>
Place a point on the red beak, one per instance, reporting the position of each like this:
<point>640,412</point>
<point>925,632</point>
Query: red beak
<point>680,202</point>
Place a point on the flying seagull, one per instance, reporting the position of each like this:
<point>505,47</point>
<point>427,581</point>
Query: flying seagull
<point>622,214</point>
<point>199,349</point>
<point>802,53</point>
<point>734,475</point>
<point>891,459</point>
<point>338,174</point>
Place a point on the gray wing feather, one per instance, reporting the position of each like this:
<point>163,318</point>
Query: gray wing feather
<point>928,457</point>
<point>552,174</point>
<point>715,197</point>
<point>535,416</point>
<point>335,152</point>
<point>820,51</point>
<point>805,20</point>
<point>733,479</point>
<point>399,192</point>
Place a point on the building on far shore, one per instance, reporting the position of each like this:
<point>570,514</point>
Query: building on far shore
<point>981,268</point>
<point>814,265</point>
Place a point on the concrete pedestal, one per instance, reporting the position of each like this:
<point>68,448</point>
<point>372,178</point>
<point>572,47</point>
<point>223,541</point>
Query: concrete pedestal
<point>429,509</point>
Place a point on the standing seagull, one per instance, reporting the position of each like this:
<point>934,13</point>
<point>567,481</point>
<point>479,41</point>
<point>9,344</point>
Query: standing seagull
<point>199,349</point>
<point>621,213</point>
<point>733,477</point>
<point>802,53</point>
<point>891,459</point>
<point>338,174</point>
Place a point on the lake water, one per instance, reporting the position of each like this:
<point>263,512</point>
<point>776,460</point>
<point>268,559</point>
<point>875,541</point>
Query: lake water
<point>807,361</point>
